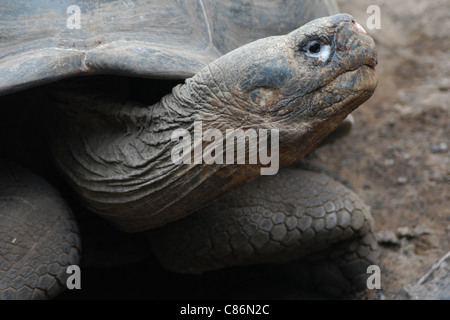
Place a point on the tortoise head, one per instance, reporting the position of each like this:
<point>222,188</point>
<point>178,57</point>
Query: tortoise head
<point>307,81</point>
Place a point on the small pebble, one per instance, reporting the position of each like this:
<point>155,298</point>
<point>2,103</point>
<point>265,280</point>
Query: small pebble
<point>421,230</point>
<point>387,237</point>
<point>405,232</point>
<point>367,185</point>
<point>437,148</point>
<point>402,180</point>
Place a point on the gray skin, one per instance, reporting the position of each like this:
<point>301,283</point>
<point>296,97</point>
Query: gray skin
<point>116,156</point>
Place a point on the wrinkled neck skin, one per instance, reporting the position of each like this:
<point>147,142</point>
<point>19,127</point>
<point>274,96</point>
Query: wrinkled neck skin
<point>118,155</point>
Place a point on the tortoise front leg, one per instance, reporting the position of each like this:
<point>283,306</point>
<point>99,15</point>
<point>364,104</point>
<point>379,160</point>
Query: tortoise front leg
<point>277,219</point>
<point>38,236</point>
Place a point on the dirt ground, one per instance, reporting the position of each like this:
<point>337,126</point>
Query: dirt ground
<point>397,156</point>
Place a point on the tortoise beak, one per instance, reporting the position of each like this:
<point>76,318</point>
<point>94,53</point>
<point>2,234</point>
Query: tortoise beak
<point>359,27</point>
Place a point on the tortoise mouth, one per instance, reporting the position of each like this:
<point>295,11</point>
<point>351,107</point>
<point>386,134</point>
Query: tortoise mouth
<point>362,78</point>
<point>345,92</point>
<point>349,90</point>
<point>365,78</point>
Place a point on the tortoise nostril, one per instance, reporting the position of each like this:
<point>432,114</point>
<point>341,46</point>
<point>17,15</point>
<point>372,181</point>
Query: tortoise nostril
<point>358,26</point>
<point>373,61</point>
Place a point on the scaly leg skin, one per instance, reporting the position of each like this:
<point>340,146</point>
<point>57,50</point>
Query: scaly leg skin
<point>278,219</point>
<point>38,236</point>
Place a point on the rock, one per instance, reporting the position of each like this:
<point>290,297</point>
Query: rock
<point>416,232</point>
<point>438,148</point>
<point>387,238</point>
<point>402,180</point>
<point>404,232</point>
<point>434,285</point>
<point>367,185</point>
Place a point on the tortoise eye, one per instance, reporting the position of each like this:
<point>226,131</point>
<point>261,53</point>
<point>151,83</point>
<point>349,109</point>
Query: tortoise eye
<point>317,49</point>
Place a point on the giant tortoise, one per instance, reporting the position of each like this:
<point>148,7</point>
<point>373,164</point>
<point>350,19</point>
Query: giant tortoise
<point>119,88</point>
